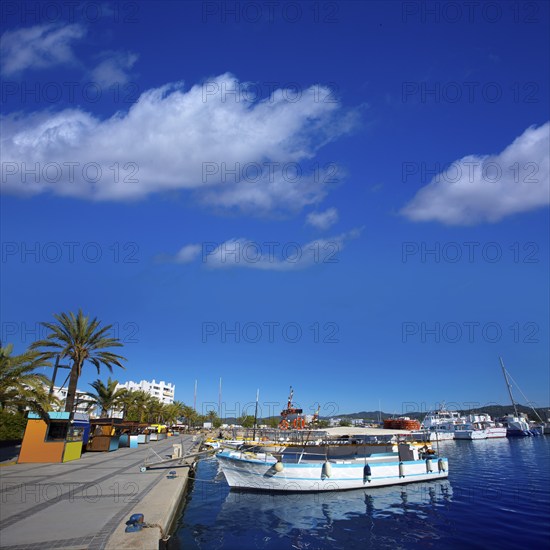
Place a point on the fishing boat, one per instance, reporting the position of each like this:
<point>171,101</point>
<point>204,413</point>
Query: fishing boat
<point>279,473</point>
<point>342,442</point>
<point>296,436</point>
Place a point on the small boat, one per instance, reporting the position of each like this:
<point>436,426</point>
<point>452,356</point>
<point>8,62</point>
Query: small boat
<point>269,472</point>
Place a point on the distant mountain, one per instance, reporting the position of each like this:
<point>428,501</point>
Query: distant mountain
<point>370,415</point>
<point>495,411</point>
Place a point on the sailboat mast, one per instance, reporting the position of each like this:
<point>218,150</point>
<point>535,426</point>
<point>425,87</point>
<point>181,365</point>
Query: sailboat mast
<point>256,414</point>
<point>509,386</point>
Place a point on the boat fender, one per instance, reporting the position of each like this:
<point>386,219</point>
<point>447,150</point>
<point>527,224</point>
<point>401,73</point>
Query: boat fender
<point>327,469</point>
<point>279,466</point>
<point>441,465</point>
<point>401,469</point>
<point>429,467</point>
<point>366,473</point>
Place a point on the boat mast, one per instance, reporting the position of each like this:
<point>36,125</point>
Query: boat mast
<point>256,414</point>
<point>509,386</point>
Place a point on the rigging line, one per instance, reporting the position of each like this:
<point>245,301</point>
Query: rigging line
<point>524,396</point>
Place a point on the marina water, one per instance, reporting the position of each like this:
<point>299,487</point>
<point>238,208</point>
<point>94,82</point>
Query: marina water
<point>497,496</point>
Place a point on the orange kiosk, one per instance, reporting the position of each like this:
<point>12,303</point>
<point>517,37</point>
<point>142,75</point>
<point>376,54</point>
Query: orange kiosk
<point>59,440</point>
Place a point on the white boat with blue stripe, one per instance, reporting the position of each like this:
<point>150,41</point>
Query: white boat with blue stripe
<point>269,472</point>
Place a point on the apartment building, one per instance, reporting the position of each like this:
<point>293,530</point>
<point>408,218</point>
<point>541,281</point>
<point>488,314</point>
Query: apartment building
<point>162,390</point>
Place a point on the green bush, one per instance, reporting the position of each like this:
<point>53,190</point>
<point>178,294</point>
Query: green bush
<point>12,425</point>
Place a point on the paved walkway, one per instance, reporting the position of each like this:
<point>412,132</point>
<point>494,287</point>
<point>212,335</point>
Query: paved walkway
<point>79,505</point>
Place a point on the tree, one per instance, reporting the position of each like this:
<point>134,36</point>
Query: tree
<point>124,402</point>
<point>81,340</point>
<point>214,419</point>
<point>106,396</point>
<point>345,422</point>
<point>155,411</point>
<point>272,421</point>
<point>173,411</point>
<point>246,421</point>
<point>138,403</point>
<point>20,386</point>
<point>190,414</point>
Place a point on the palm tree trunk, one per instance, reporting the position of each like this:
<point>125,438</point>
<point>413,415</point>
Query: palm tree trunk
<point>71,390</point>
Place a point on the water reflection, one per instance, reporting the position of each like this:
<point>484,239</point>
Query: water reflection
<point>283,512</point>
<point>492,481</point>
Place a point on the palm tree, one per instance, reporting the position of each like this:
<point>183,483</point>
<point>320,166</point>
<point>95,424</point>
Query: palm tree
<point>106,395</point>
<point>81,340</point>
<point>214,419</point>
<point>124,401</point>
<point>190,414</point>
<point>172,412</point>
<point>138,405</point>
<point>154,410</point>
<point>20,386</point>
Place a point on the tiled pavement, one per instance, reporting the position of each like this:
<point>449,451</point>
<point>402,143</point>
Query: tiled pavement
<point>79,504</point>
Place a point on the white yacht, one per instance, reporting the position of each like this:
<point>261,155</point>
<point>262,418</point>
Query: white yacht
<point>439,425</point>
<point>479,426</point>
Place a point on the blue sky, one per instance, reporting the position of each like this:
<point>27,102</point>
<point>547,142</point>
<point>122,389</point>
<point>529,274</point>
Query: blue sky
<point>346,197</point>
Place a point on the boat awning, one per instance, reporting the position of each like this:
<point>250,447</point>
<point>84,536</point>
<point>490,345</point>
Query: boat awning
<point>342,431</point>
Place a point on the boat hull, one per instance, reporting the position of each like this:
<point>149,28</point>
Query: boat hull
<point>433,435</point>
<point>471,435</point>
<point>495,432</point>
<point>516,432</point>
<point>260,474</point>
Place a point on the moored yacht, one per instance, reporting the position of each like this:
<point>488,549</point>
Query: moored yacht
<point>518,424</point>
<point>439,425</point>
<point>479,426</point>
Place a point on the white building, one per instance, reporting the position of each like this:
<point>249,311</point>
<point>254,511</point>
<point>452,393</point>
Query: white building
<point>163,391</point>
<point>84,403</point>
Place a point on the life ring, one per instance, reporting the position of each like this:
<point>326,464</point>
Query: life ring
<point>299,423</point>
<point>283,425</point>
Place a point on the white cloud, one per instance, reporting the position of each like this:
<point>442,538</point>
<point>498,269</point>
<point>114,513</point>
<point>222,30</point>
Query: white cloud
<point>477,189</point>
<point>39,47</point>
<point>188,253</point>
<point>323,220</point>
<point>266,256</point>
<point>173,139</point>
<point>113,69</point>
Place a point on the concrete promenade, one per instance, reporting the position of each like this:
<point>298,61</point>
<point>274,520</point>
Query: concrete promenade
<point>84,504</point>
